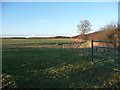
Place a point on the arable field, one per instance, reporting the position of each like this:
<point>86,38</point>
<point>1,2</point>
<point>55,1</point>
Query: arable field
<point>54,63</point>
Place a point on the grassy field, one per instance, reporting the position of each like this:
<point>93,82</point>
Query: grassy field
<point>52,67</point>
<point>17,43</point>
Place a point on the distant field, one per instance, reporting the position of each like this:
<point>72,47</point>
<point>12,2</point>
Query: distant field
<point>51,67</point>
<point>54,43</point>
<point>40,41</point>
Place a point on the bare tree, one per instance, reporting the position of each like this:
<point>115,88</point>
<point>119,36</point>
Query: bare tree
<point>111,31</point>
<point>84,27</point>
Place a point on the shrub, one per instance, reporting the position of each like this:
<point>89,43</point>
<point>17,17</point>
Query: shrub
<point>7,82</point>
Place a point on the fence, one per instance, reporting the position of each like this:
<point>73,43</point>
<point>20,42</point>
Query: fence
<point>106,52</point>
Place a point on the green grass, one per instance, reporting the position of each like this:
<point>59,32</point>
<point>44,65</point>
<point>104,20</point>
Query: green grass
<point>55,67</point>
<point>17,43</point>
<point>35,41</point>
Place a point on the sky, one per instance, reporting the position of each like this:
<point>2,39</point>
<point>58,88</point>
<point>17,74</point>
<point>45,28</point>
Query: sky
<point>55,18</point>
<point>60,0</point>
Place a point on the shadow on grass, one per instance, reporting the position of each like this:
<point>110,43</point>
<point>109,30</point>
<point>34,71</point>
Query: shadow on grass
<point>56,68</point>
<point>85,76</point>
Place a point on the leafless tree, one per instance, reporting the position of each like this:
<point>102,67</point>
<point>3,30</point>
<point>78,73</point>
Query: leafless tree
<point>84,27</point>
<point>112,32</point>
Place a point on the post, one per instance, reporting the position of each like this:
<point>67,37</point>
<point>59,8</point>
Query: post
<point>116,56</point>
<point>92,50</point>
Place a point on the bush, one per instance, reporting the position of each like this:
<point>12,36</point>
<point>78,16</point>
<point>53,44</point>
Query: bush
<point>7,82</point>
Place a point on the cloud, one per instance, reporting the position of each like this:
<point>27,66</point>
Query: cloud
<point>43,21</point>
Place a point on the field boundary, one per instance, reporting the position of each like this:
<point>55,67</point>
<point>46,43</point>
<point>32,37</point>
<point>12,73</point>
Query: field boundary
<point>108,53</point>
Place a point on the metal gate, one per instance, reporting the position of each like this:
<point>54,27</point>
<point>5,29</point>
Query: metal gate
<point>106,52</point>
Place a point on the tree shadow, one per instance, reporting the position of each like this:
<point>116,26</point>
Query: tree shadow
<point>55,67</point>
